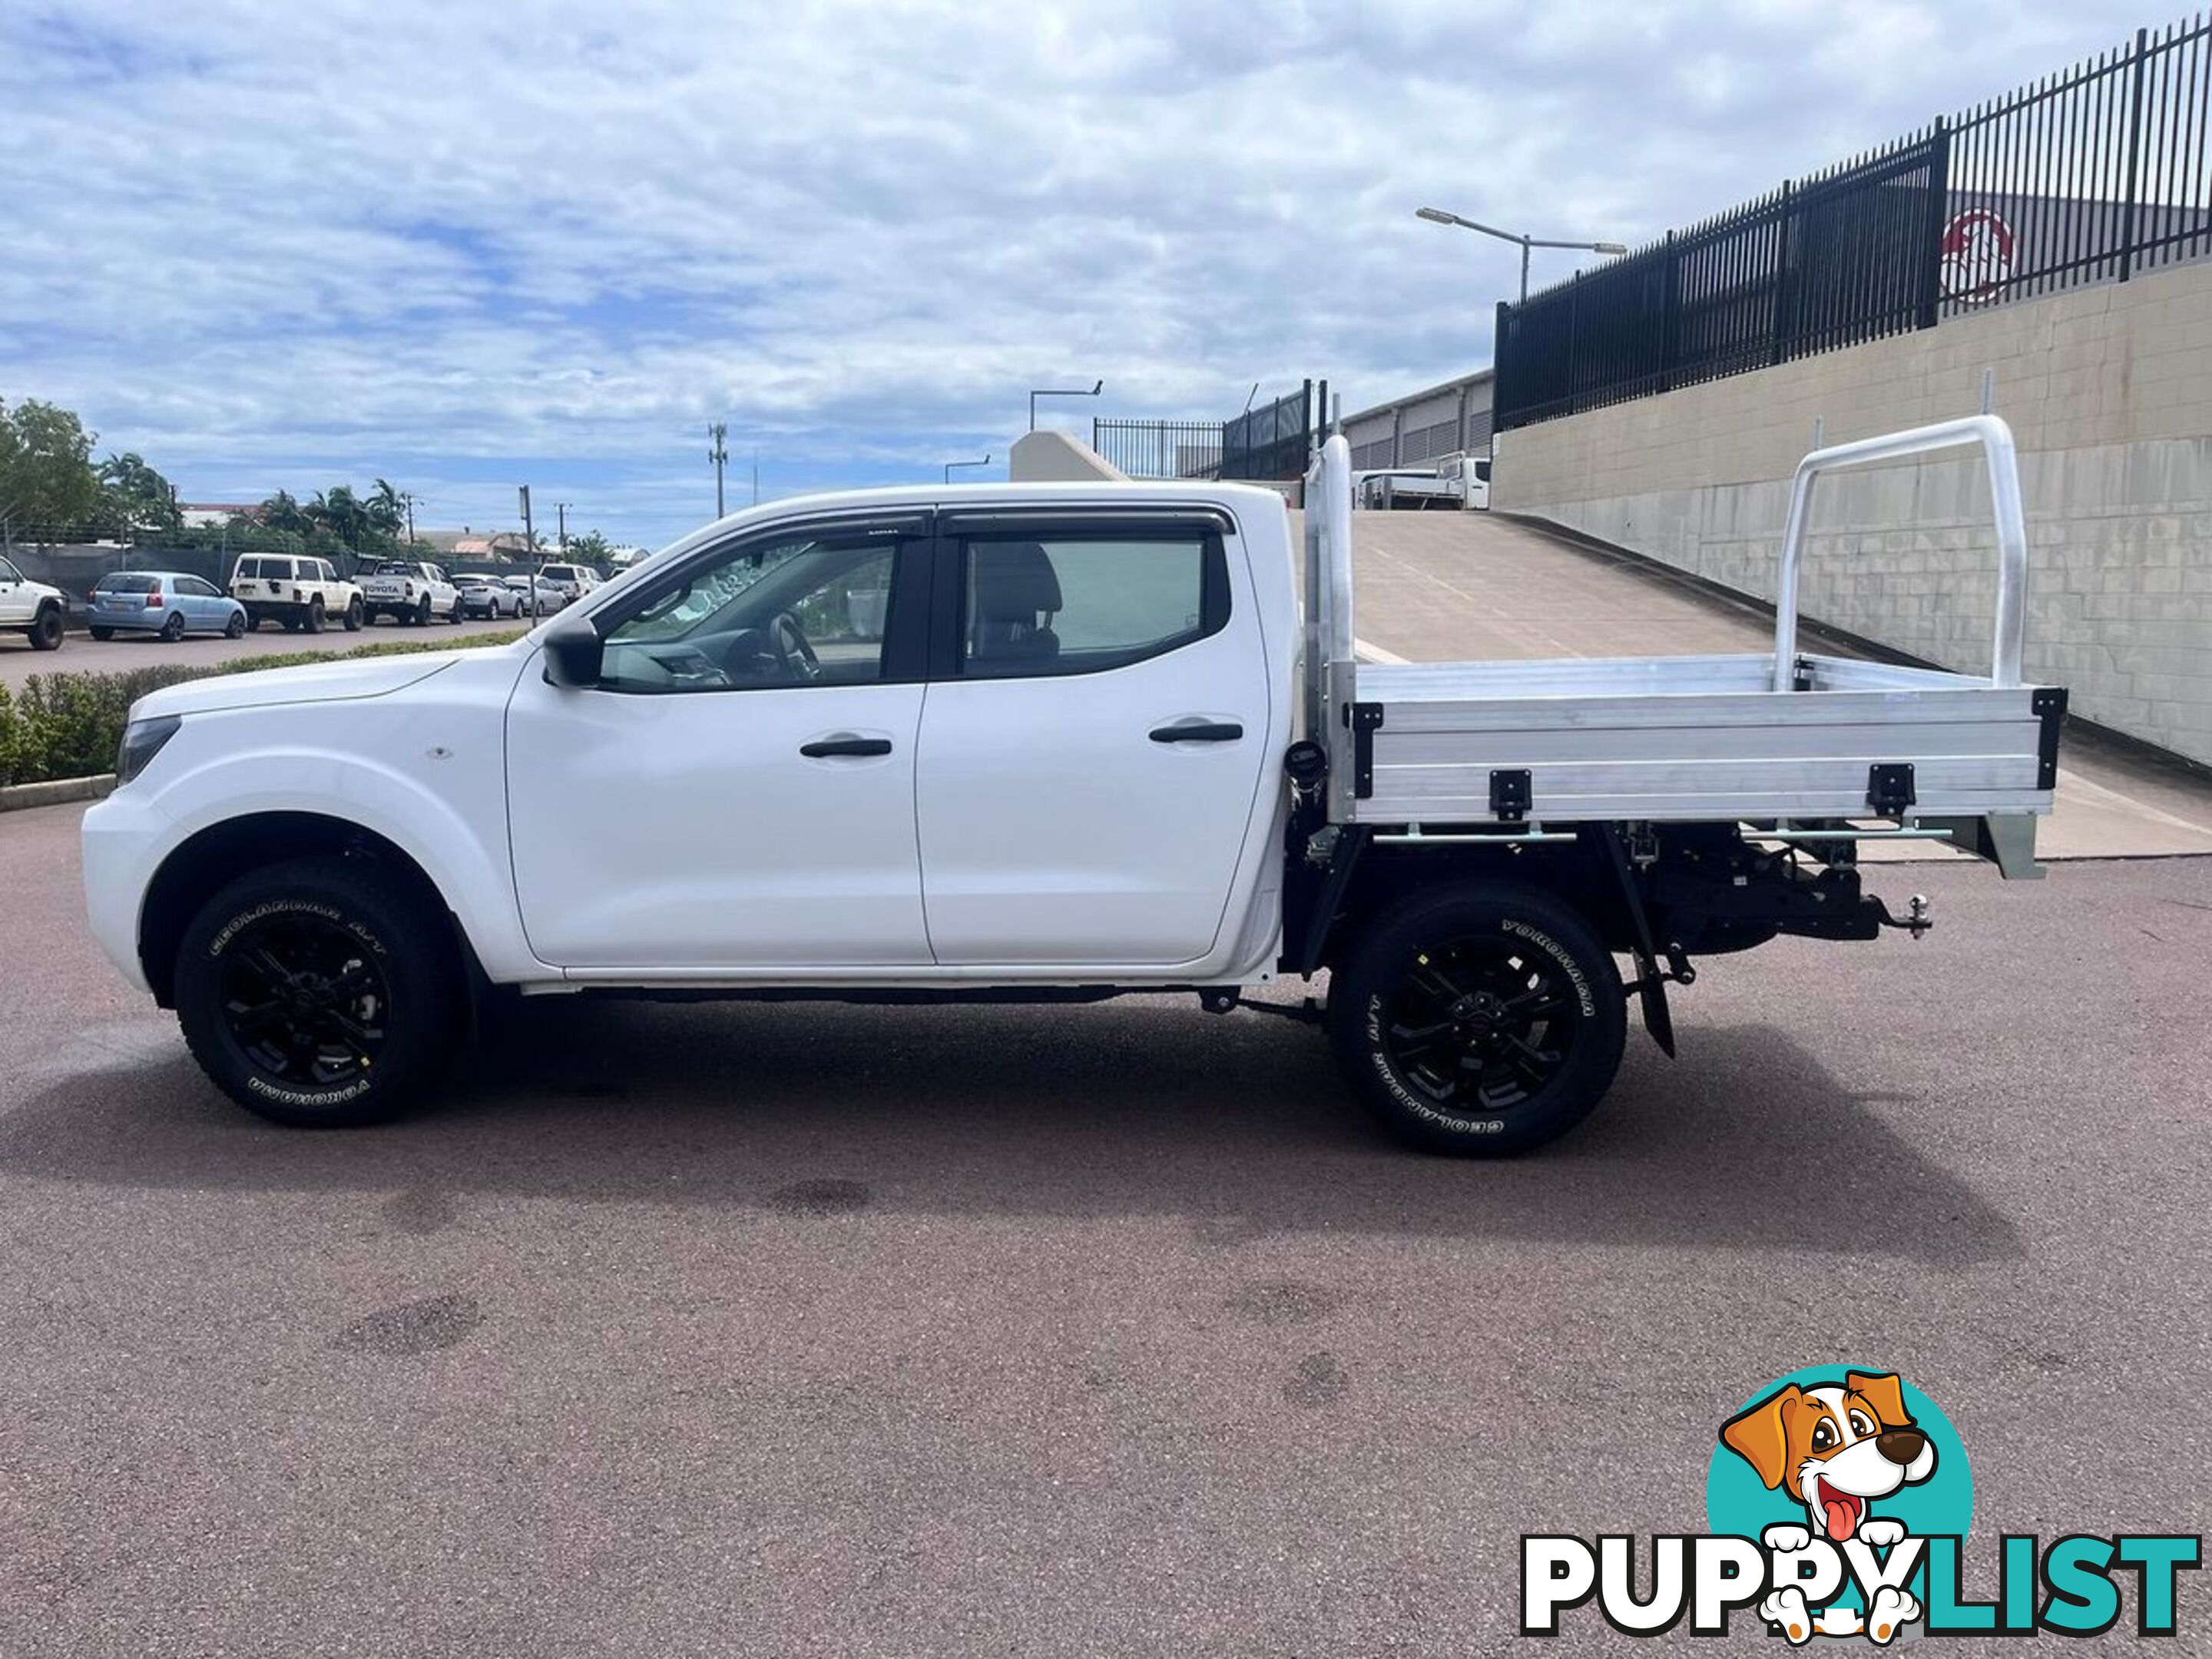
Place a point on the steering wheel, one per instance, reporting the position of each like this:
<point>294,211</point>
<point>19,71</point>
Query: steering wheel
<point>792,653</point>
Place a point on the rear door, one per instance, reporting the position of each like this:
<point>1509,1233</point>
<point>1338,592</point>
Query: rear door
<point>204,606</point>
<point>1094,742</point>
<point>264,578</point>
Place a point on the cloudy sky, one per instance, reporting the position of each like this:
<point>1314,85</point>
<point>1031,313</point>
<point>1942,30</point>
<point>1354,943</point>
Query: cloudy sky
<point>464,245</point>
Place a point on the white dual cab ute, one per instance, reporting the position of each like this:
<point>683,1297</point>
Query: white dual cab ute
<point>32,609</point>
<point>409,591</point>
<point>1037,742</point>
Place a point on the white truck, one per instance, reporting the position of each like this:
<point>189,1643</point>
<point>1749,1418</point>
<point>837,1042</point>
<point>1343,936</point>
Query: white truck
<point>409,591</point>
<point>32,609</point>
<point>1458,482</point>
<point>1042,742</point>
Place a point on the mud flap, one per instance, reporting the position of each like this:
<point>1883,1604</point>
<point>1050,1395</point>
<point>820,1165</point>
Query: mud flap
<point>1650,978</point>
<point>1658,1018</point>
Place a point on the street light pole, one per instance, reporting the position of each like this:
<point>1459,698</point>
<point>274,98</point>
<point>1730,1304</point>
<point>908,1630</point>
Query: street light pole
<point>561,508</point>
<point>949,465</point>
<point>1438,216</point>
<point>1060,391</point>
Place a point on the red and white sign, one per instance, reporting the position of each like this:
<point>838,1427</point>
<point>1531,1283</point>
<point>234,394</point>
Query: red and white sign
<point>1980,255</point>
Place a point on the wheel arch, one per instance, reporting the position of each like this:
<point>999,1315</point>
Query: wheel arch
<point>211,858</point>
<point>1387,876</point>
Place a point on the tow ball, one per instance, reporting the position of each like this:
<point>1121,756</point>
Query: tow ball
<point>1916,920</point>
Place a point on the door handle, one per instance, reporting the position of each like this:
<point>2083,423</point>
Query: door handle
<point>1198,731</point>
<point>824,748</point>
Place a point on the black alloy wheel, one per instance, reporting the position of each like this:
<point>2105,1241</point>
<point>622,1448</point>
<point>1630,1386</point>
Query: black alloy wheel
<point>1482,1018</point>
<point>304,1000</point>
<point>1478,1024</point>
<point>322,991</point>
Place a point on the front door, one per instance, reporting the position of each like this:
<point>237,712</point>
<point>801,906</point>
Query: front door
<point>738,794</point>
<point>1093,751</point>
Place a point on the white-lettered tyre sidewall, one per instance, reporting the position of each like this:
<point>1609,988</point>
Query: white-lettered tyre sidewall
<point>279,1094</point>
<point>424,990</point>
<point>1596,1007</point>
<point>1373,1013</point>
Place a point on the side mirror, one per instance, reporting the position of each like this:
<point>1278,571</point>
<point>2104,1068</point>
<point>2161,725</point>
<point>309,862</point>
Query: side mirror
<point>573,652</point>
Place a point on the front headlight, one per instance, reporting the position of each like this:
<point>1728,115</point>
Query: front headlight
<point>141,741</point>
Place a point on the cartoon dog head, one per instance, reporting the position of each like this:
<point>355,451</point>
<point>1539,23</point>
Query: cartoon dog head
<point>1833,1449</point>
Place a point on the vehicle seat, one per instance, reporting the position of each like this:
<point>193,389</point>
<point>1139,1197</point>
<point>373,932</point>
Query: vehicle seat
<point>1016,594</point>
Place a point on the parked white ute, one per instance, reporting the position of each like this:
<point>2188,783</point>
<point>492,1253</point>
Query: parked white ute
<point>32,608</point>
<point>1047,742</point>
<point>409,591</point>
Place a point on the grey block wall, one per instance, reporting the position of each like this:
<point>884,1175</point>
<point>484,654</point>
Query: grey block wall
<point>2109,392</point>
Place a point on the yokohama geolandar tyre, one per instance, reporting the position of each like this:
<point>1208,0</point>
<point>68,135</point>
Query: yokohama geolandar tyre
<point>319,992</point>
<point>1482,1020</point>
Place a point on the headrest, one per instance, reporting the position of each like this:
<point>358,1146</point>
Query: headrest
<point>1013,580</point>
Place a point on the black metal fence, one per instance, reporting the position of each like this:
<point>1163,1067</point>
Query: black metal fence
<point>1160,449</point>
<point>1270,442</point>
<point>2090,175</point>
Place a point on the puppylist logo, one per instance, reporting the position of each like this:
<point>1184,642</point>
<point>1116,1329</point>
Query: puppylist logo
<point>1839,1501</point>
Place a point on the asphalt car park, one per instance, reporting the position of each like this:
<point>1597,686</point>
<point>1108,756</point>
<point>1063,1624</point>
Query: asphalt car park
<point>813,1329</point>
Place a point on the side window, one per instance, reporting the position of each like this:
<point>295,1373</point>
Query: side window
<point>779,613</point>
<point>1082,603</point>
<point>196,587</point>
<point>8,573</point>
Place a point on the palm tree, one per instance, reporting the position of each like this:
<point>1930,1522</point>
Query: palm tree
<point>386,510</point>
<point>136,496</point>
<point>281,511</point>
<point>339,511</point>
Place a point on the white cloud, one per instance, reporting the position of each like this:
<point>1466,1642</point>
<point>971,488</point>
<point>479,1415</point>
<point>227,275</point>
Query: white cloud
<point>267,243</point>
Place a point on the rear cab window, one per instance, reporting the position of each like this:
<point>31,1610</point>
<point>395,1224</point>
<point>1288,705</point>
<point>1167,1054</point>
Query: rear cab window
<point>1083,601</point>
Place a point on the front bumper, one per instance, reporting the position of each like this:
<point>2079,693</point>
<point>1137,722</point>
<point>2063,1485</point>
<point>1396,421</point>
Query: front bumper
<point>124,837</point>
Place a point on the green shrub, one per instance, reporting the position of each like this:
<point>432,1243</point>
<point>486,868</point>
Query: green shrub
<point>68,724</point>
<point>11,737</point>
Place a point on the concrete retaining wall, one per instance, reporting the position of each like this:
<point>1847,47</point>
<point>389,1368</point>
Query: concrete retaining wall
<point>2109,391</point>
<point>1050,456</point>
